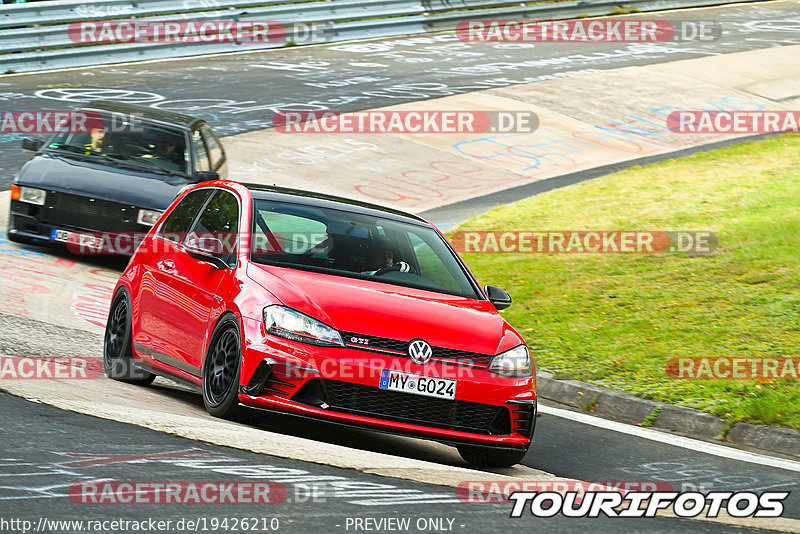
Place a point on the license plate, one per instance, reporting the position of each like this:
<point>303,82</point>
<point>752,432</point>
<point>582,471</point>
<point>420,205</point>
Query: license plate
<point>430,386</point>
<point>60,235</point>
<point>84,240</point>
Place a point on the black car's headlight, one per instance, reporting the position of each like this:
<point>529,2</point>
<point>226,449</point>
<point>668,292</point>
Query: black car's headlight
<point>513,363</point>
<point>148,217</point>
<point>291,324</point>
<point>31,195</point>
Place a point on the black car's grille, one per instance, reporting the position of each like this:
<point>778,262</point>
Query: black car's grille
<point>400,348</point>
<point>85,213</point>
<point>414,409</point>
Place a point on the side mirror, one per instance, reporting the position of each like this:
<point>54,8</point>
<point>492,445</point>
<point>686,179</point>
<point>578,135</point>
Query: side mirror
<point>498,297</point>
<point>207,176</point>
<point>208,249</point>
<point>32,144</point>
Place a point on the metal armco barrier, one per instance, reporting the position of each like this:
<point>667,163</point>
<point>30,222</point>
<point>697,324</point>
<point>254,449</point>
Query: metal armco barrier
<point>35,36</point>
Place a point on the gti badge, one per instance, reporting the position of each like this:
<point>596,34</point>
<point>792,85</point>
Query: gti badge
<point>419,351</point>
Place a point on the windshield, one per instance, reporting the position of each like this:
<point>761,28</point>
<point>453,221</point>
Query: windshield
<point>140,145</point>
<point>356,246</point>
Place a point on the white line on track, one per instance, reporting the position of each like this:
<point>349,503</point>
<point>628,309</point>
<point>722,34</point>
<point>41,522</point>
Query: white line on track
<point>673,439</point>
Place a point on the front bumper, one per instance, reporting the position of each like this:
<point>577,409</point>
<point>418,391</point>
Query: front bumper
<point>34,223</point>
<point>340,385</point>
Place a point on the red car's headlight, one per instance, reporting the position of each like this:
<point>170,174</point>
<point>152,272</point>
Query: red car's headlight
<point>291,324</point>
<point>513,363</point>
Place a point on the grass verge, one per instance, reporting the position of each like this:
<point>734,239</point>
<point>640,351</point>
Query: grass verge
<point>616,319</point>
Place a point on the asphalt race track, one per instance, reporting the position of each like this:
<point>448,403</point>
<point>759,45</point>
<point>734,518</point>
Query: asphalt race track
<point>40,443</point>
<point>37,480</point>
<point>368,74</point>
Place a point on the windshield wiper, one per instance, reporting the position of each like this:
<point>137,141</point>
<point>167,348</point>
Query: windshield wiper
<point>74,148</point>
<point>166,172</point>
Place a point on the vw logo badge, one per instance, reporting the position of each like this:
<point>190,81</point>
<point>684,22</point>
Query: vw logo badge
<point>419,351</point>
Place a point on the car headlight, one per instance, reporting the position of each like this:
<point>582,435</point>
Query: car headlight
<point>31,195</point>
<point>148,217</point>
<point>513,363</point>
<point>286,322</point>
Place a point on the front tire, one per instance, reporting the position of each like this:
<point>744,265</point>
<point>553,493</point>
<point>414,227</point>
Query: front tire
<point>117,348</point>
<point>488,457</point>
<point>221,370</point>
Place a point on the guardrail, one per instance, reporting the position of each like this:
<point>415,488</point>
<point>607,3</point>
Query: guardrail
<point>35,36</point>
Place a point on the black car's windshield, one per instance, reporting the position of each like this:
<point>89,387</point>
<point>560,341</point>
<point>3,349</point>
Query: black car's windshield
<point>355,245</point>
<point>147,146</point>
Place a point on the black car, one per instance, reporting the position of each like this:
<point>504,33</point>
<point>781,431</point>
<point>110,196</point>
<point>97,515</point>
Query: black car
<point>115,177</point>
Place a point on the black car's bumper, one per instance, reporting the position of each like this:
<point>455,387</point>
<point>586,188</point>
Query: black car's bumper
<point>71,213</point>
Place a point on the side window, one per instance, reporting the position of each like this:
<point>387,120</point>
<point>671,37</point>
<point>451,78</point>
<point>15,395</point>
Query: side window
<point>213,145</point>
<point>180,219</point>
<point>295,235</point>
<point>220,219</point>
<point>201,156</point>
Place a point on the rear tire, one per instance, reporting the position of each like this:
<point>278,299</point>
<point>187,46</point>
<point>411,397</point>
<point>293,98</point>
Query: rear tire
<point>117,348</point>
<point>221,370</point>
<point>488,457</point>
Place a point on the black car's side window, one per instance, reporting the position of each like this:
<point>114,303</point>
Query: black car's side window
<point>201,155</point>
<point>220,220</point>
<point>178,223</point>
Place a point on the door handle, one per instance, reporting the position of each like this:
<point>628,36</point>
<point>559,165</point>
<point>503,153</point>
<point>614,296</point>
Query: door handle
<point>166,265</point>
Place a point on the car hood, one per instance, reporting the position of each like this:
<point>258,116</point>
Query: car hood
<point>127,186</point>
<point>390,311</point>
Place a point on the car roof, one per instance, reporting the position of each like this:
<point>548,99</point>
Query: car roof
<point>148,113</point>
<point>321,200</point>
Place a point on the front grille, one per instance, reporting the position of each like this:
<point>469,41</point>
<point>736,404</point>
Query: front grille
<point>85,213</point>
<point>400,348</point>
<point>400,407</point>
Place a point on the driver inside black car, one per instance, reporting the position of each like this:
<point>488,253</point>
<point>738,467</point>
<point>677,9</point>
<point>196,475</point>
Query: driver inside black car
<point>97,144</point>
<point>169,153</point>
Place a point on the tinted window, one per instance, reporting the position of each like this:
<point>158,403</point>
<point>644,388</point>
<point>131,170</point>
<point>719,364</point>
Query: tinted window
<point>213,145</point>
<point>201,156</point>
<point>356,246</point>
<point>181,218</point>
<point>220,219</point>
<point>143,146</point>
<point>430,266</point>
<point>297,234</point>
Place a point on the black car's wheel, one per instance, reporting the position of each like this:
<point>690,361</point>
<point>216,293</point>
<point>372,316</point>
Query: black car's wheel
<point>117,350</point>
<point>488,457</point>
<point>221,370</point>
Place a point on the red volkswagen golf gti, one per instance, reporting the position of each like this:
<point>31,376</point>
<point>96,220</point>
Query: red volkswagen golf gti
<point>284,300</point>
